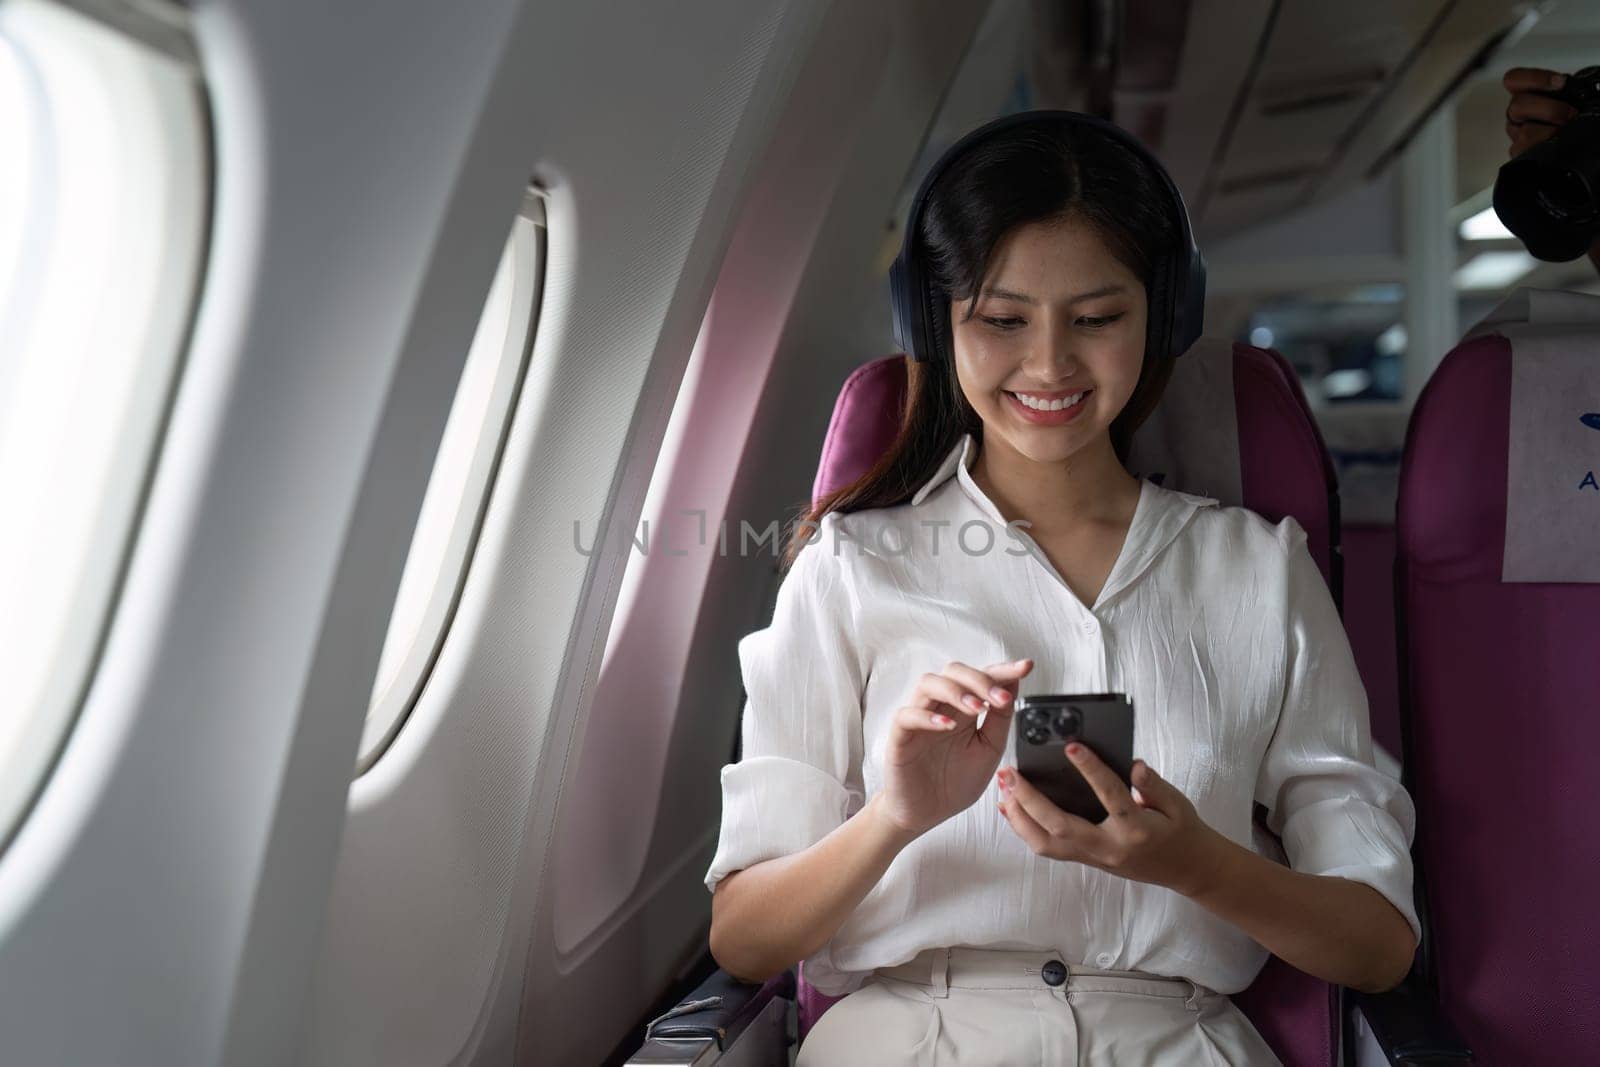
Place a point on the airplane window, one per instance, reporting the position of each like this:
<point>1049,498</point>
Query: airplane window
<point>104,204</point>
<point>463,471</point>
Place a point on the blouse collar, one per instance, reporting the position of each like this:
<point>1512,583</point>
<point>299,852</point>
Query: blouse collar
<point>1161,514</point>
<point>959,462</point>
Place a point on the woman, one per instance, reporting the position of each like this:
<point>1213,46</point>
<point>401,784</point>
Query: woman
<point>866,830</point>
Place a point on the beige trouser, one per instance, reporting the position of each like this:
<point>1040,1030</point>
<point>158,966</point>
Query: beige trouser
<point>989,1006</point>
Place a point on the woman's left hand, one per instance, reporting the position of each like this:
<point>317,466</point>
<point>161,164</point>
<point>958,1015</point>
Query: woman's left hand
<point>1150,834</point>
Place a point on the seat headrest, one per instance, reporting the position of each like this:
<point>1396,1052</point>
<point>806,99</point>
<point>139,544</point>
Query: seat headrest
<point>1190,442</point>
<point>1503,455</point>
<point>866,419</point>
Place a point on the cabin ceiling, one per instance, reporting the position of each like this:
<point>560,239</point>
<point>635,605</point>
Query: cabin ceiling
<point>1260,107</point>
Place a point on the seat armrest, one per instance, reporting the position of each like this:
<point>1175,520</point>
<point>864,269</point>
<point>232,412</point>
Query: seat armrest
<point>712,1019</point>
<point>1409,1027</point>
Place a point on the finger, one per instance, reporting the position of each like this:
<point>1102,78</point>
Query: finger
<point>1526,136</point>
<point>1529,107</point>
<point>1015,669</point>
<point>1532,80</point>
<point>1154,792</point>
<point>988,688</point>
<point>1111,790</point>
<point>1074,829</point>
<point>1005,673</point>
<point>924,719</point>
<point>940,690</point>
<point>1033,835</point>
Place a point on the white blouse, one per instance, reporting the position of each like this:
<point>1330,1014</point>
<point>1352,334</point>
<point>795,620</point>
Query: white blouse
<point>1215,622</point>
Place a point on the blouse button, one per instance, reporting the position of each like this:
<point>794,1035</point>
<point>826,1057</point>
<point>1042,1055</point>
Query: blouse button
<point>1104,959</point>
<point>1090,626</point>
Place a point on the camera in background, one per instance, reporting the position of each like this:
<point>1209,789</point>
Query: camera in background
<point>1549,196</point>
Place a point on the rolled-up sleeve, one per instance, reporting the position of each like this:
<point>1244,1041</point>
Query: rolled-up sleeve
<point>799,775</point>
<point>1335,812</point>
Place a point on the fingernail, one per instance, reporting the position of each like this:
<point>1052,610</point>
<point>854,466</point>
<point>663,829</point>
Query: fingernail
<point>998,695</point>
<point>1138,797</point>
<point>1074,749</point>
<point>1004,774</point>
<point>944,720</point>
<point>1019,662</point>
<point>972,702</point>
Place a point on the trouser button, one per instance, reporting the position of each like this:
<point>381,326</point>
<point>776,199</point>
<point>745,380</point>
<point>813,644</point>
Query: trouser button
<point>1054,972</point>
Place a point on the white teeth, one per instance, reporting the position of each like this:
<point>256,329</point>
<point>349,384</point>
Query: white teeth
<point>1048,405</point>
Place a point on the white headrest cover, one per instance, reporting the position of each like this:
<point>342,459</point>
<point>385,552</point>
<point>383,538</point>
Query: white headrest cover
<point>1553,466</point>
<point>1190,442</point>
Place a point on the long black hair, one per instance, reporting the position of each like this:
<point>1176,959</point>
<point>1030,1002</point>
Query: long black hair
<point>1035,172</point>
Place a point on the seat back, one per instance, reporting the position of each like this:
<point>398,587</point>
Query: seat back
<point>1499,641</point>
<point>1269,456</point>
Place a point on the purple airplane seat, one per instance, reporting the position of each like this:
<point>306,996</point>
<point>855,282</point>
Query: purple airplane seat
<point>1498,579</point>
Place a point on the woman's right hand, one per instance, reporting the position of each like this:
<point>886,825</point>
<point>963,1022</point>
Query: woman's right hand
<point>937,762</point>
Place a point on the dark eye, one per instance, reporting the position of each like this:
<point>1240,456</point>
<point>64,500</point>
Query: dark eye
<point>1099,322</point>
<point>1004,323</point>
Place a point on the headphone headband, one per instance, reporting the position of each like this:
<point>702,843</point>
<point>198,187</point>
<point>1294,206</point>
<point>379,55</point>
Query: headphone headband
<point>908,288</point>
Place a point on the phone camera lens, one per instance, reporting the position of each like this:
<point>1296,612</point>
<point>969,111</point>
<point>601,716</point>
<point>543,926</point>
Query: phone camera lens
<point>1068,722</point>
<point>1036,735</point>
<point>1036,717</point>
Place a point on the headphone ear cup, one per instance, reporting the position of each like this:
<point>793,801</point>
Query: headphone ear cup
<point>1193,305</point>
<point>903,304</point>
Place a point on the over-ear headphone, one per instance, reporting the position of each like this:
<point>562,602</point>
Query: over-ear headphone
<point>1178,291</point>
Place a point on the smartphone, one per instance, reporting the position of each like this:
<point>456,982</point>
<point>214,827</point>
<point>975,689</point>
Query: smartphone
<point>1045,724</point>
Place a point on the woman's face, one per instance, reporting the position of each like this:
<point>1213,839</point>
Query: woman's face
<point>1060,321</point>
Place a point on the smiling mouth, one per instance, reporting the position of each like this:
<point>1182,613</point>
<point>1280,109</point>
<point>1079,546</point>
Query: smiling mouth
<point>1049,402</point>
<point>1048,410</point>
